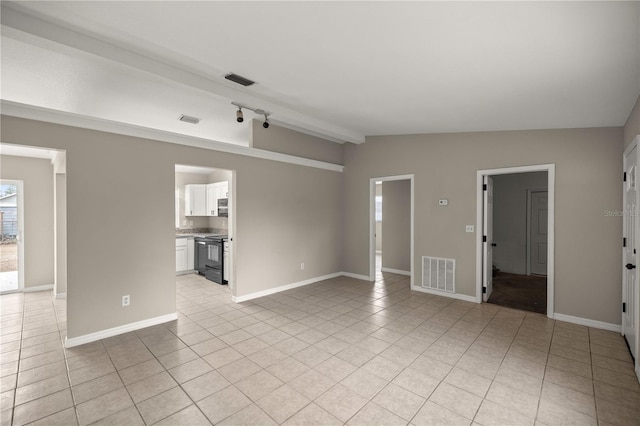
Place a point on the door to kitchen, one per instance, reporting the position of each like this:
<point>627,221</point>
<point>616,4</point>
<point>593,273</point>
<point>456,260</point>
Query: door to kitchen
<point>538,212</point>
<point>487,239</point>
<point>630,250</point>
<point>11,236</point>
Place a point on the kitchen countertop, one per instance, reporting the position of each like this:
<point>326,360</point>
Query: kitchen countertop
<point>198,235</point>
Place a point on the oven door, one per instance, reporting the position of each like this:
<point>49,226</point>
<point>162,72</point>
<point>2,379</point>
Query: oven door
<point>214,254</point>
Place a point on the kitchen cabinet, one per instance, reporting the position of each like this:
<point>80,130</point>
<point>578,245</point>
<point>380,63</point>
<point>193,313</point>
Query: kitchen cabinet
<point>185,254</point>
<point>190,254</point>
<point>182,255</point>
<point>195,200</point>
<point>212,200</point>
<point>216,191</point>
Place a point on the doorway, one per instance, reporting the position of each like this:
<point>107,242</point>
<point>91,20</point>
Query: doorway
<point>11,236</point>
<point>399,240</point>
<point>514,260</point>
<point>205,207</point>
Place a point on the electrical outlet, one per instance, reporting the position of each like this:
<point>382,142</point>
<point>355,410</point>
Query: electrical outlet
<point>469,228</point>
<point>302,265</point>
<point>126,300</point>
<point>443,202</point>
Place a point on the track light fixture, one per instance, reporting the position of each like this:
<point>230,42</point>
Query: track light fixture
<point>240,116</point>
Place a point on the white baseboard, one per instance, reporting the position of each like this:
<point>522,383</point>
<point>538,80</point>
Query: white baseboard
<point>61,295</point>
<point>588,322</point>
<point>257,294</point>
<point>110,332</point>
<point>446,294</point>
<point>356,276</point>
<point>38,288</point>
<point>396,271</point>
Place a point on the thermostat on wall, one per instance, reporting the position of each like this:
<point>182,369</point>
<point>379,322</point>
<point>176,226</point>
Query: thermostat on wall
<point>443,202</point>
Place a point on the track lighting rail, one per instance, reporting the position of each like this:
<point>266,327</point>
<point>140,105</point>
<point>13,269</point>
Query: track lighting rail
<point>240,115</point>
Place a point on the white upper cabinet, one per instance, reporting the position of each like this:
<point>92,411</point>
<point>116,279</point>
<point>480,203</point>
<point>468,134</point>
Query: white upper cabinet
<point>195,200</point>
<point>212,200</point>
<point>202,199</point>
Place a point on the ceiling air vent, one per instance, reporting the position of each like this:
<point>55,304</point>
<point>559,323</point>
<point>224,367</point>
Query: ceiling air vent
<point>239,79</point>
<point>189,119</point>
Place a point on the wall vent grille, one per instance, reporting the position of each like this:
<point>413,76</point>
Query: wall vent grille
<point>439,274</point>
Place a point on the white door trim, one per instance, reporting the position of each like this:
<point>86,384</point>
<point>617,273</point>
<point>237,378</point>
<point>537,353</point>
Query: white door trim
<point>551,179</point>
<point>20,202</point>
<point>528,238</point>
<point>372,222</point>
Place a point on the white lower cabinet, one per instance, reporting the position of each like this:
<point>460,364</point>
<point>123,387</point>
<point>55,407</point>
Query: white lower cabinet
<point>182,255</point>
<point>191,262</point>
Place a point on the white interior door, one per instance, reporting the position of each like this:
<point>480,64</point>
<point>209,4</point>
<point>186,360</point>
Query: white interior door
<point>538,205</point>
<point>630,252</point>
<point>487,246</point>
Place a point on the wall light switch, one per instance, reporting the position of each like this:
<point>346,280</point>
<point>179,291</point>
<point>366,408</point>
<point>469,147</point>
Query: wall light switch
<point>469,228</point>
<point>443,202</point>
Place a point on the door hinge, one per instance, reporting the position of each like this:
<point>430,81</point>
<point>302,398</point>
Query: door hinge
<point>624,307</point>
<point>484,186</point>
<point>624,242</point>
<point>484,290</point>
<point>484,238</point>
<point>624,177</point>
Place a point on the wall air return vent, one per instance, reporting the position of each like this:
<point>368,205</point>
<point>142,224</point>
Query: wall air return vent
<point>439,274</point>
<point>239,79</point>
<point>189,119</point>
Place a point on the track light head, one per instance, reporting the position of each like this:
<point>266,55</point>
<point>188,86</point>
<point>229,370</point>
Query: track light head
<point>266,122</point>
<point>239,115</point>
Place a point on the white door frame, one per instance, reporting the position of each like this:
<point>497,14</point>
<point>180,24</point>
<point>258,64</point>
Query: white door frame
<point>551,179</point>
<point>372,222</point>
<point>20,202</point>
<point>528,238</point>
<point>635,143</point>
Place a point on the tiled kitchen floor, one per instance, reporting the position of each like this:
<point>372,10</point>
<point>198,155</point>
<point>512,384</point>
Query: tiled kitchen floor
<point>340,351</point>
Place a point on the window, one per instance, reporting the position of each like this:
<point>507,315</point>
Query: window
<point>378,208</point>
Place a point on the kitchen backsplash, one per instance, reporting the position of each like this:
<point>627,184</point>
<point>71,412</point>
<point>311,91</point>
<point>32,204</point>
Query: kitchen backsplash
<point>200,231</point>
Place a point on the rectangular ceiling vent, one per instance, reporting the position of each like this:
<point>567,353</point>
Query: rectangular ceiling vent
<point>439,274</point>
<point>189,119</point>
<point>239,79</point>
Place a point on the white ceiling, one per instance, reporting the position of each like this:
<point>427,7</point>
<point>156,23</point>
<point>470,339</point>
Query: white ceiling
<point>344,70</point>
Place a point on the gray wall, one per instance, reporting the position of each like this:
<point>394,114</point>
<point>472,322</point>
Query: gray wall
<point>120,193</point>
<point>286,141</point>
<point>588,165</point>
<point>632,128</point>
<point>37,175</point>
<point>510,219</point>
<point>396,222</point>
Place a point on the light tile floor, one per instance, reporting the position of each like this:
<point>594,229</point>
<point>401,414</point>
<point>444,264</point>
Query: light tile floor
<point>340,351</point>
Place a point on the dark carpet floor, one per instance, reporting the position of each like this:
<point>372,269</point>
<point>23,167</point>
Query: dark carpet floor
<point>520,292</point>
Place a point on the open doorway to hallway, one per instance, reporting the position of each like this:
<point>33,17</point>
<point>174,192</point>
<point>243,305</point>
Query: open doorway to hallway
<point>520,241</point>
<point>391,230</point>
<point>515,242</point>
<point>11,211</point>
